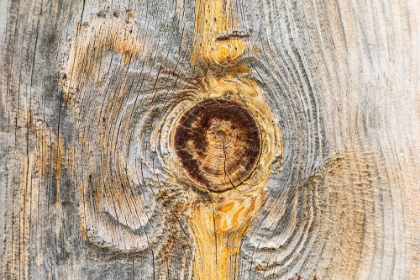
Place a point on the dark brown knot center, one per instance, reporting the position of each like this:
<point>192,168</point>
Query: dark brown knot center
<point>218,143</point>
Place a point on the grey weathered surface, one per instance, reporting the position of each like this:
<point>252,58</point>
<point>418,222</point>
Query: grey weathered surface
<point>88,96</point>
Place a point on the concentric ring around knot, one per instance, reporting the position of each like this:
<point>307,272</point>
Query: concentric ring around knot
<point>218,143</point>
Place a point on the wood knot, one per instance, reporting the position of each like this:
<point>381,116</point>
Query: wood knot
<point>226,51</point>
<point>218,143</point>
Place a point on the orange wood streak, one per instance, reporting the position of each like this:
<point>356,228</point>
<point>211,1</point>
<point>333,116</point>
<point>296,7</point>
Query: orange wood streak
<point>218,224</point>
<point>214,19</point>
<point>218,227</point>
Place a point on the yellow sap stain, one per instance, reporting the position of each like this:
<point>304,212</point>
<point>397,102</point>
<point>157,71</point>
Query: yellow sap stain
<point>226,52</point>
<point>218,227</point>
<point>213,21</point>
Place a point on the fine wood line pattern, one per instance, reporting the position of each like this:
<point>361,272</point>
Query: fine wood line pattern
<point>210,139</point>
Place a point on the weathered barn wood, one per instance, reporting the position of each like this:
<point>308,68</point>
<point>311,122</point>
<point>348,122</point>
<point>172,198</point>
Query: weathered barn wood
<point>224,139</point>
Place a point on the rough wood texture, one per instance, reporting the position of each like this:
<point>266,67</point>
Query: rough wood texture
<point>92,185</point>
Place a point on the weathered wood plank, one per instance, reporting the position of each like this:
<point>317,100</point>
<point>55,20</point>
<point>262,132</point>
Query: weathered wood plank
<point>92,186</point>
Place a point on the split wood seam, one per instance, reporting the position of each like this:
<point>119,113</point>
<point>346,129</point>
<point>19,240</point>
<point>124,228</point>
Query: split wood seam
<point>237,192</point>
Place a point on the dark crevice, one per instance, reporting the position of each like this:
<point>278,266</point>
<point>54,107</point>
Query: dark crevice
<point>224,165</point>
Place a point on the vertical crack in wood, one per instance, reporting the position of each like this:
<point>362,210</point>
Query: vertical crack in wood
<point>224,164</point>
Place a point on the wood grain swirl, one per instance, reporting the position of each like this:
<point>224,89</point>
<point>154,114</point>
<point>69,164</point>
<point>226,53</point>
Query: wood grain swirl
<point>92,185</point>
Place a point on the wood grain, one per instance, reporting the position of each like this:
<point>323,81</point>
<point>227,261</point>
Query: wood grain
<point>92,91</point>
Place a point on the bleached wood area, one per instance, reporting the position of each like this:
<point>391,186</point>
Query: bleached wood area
<point>308,165</point>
